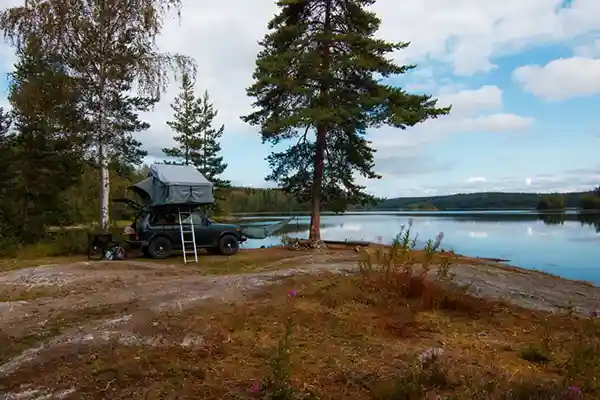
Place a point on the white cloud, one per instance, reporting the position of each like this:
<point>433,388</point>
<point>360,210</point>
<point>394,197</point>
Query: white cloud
<point>473,110</point>
<point>467,34</point>
<point>477,179</point>
<point>572,180</point>
<point>561,79</point>
<point>470,102</point>
<point>501,122</point>
<point>589,50</point>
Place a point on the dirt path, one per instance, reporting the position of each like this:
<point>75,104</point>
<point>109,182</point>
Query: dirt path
<point>48,307</point>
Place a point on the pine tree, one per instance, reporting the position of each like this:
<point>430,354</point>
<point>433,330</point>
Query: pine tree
<point>108,45</point>
<point>198,141</point>
<point>7,179</point>
<point>186,123</point>
<point>47,145</point>
<point>209,160</point>
<point>322,71</point>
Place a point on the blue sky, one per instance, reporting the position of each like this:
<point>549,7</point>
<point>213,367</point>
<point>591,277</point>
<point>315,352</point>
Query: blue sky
<point>523,78</point>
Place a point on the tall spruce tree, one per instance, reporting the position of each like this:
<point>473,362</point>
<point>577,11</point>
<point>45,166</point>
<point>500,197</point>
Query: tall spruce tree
<point>108,45</point>
<point>198,140</point>
<point>47,144</point>
<point>7,179</point>
<point>186,124</point>
<point>321,70</point>
<point>210,162</point>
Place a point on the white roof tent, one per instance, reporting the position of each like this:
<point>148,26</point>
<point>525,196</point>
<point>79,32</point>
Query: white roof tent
<point>174,185</point>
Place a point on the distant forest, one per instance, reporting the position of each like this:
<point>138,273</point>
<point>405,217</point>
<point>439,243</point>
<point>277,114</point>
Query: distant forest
<point>479,201</point>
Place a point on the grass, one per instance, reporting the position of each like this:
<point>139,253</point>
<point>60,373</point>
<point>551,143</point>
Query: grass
<point>389,332</point>
<point>116,224</point>
<point>246,261</point>
<point>11,264</point>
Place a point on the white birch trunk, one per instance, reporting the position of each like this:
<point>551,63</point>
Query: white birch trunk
<point>103,161</point>
<point>105,185</point>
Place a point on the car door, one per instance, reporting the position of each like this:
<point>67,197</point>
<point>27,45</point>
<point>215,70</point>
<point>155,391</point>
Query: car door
<point>202,230</point>
<point>169,226</point>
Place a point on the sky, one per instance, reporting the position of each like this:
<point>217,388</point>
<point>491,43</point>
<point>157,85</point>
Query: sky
<point>522,76</point>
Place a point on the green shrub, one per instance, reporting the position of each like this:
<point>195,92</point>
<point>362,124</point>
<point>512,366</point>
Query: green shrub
<point>400,272</point>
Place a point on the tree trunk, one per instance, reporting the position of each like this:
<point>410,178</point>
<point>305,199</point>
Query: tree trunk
<point>315,204</point>
<point>105,184</point>
<point>103,159</point>
<point>319,161</point>
<point>103,151</point>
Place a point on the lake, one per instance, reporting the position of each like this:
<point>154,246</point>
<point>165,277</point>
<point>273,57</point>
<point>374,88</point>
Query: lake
<point>563,244</point>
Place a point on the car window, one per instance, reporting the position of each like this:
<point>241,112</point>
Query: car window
<point>159,218</point>
<point>197,218</point>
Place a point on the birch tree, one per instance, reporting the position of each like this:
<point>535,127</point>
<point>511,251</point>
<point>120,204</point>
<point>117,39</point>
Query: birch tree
<point>319,85</point>
<point>107,44</point>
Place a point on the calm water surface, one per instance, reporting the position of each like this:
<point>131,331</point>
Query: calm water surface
<point>566,245</point>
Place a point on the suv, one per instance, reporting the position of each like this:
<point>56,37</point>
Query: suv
<point>157,231</point>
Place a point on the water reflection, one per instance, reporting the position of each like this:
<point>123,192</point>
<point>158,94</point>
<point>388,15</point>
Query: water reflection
<point>585,219</point>
<point>567,243</point>
<point>592,220</point>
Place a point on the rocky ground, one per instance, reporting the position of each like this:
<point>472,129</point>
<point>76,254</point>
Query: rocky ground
<point>47,308</point>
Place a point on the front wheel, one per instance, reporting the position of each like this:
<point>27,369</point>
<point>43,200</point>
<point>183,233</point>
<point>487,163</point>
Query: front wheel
<point>228,245</point>
<point>160,247</point>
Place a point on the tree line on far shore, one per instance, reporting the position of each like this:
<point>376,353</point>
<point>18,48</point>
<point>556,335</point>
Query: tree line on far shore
<point>588,201</point>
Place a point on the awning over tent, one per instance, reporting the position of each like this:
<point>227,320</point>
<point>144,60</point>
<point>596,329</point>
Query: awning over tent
<point>174,184</point>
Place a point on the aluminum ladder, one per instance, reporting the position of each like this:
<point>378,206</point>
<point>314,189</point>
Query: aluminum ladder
<point>186,228</point>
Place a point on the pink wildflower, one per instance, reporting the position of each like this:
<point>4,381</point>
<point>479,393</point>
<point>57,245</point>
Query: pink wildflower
<point>255,387</point>
<point>573,392</point>
<point>292,293</point>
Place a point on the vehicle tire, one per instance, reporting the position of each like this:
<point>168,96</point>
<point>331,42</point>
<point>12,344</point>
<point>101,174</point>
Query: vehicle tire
<point>160,248</point>
<point>228,245</point>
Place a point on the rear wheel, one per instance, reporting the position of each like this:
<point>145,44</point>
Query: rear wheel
<point>228,245</point>
<point>160,247</point>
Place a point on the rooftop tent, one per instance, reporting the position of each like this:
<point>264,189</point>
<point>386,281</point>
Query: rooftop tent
<point>174,184</point>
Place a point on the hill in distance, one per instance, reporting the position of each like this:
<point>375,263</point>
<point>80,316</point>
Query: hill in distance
<point>476,201</point>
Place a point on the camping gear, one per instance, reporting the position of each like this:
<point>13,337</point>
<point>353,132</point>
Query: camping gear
<point>98,243</point>
<point>116,252</point>
<point>264,231</point>
<point>174,185</point>
<point>186,227</point>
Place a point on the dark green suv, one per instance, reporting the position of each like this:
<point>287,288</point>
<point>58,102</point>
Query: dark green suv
<point>157,231</point>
